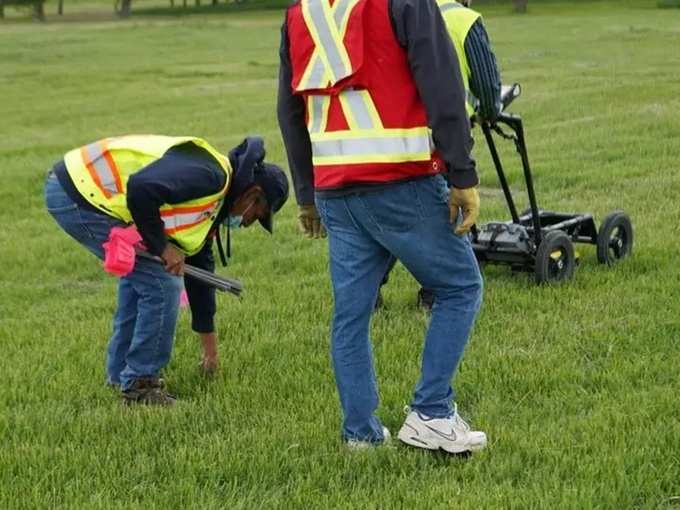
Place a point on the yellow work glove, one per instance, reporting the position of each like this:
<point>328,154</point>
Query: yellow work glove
<point>467,201</point>
<point>310,223</point>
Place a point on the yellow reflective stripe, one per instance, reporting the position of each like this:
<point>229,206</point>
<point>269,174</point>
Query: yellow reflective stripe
<point>371,133</point>
<point>316,74</point>
<point>370,158</point>
<point>359,109</point>
<point>386,146</point>
<point>317,108</point>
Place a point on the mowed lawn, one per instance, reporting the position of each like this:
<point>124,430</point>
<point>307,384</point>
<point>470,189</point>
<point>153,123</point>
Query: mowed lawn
<point>576,386</point>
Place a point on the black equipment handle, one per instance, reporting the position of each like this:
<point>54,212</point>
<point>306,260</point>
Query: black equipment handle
<point>514,122</point>
<point>221,283</point>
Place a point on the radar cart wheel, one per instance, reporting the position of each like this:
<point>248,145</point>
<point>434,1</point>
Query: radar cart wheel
<point>555,259</point>
<point>615,238</point>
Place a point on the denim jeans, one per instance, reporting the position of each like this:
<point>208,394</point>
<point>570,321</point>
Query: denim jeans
<point>148,298</point>
<point>409,221</point>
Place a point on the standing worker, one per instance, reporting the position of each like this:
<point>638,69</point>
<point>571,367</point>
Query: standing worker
<point>176,191</point>
<point>360,83</point>
<point>481,78</point>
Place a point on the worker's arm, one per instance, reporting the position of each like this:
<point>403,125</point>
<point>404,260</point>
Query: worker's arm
<point>182,174</point>
<point>485,79</point>
<point>420,29</point>
<point>201,296</point>
<point>203,307</point>
<point>291,113</point>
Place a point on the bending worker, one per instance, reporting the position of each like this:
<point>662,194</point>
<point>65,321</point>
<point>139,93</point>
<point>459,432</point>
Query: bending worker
<point>176,191</point>
<point>360,82</point>
<point>481,78</point>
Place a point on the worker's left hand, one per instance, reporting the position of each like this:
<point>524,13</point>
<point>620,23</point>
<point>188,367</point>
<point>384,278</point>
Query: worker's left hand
<point>310,222</point>
<point>467,201</point>
<point>174,260</point>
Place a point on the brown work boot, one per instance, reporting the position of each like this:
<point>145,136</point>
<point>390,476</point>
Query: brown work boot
<point>148,391</point>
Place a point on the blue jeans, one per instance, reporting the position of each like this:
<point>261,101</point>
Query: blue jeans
<point>148,298</point>
<point>411,222</point>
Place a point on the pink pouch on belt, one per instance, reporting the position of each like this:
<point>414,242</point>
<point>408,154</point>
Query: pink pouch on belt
<point>119,250</point>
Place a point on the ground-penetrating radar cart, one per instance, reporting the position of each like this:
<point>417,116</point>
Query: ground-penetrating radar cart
<point>536,240</point>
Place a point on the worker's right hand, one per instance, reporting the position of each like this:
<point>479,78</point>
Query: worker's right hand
<point>467,201</point>
<point>174,260</point>
<point>310,223</point>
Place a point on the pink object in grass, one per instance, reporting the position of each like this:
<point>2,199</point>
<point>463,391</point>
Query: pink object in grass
<point>119,250</point>
<point>183,299</point>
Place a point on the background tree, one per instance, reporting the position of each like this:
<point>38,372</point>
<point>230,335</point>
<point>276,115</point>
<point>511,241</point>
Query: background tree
<point>520,5</point>
<point>123,8</point>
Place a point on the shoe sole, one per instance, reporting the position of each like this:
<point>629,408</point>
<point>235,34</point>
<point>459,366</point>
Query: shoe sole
<point>419,443</point>
<point>140,403</point>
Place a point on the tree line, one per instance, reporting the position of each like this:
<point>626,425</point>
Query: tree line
<point>123,8</point>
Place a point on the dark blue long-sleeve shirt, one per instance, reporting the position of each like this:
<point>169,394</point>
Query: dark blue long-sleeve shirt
<point>420,29</point>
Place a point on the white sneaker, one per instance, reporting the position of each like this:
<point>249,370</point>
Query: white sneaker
<point>355,444</point>
<point>450,434</point>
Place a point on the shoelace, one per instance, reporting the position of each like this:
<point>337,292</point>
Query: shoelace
<point>456,417</point>
<point>459,421</point>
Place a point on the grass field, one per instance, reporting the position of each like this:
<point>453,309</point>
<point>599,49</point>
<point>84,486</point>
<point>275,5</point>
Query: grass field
<point>576,386</point>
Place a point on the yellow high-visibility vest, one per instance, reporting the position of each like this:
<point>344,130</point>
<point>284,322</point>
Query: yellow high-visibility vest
<point>100,172</point>
<point>459,19</point>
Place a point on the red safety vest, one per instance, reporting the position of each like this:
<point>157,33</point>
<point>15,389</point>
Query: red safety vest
<point>366,121</point>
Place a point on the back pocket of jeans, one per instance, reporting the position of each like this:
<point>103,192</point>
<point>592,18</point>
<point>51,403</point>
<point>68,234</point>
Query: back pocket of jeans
<point>433,196</point>
<point>396,209</point>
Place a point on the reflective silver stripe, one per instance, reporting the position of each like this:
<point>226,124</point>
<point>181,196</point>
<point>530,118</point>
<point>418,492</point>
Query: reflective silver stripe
<point>101,166</point>
<point>177,221</point>
<point>359,109</point>
<point>338,69</point>
<point>448,7</point>
<point>318,114</point>
<point>316,77</point>
<point>339,10</point>
<point>371,146</point>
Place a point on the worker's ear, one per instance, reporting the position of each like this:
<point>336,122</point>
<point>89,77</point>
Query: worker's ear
<point>250,196</point>
<point>254,193</point>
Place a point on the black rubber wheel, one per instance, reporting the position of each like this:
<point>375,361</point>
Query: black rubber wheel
<point>555,260</point>
<point>615,238</point>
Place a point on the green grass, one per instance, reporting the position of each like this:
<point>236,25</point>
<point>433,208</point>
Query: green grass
<point>576,386</point>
